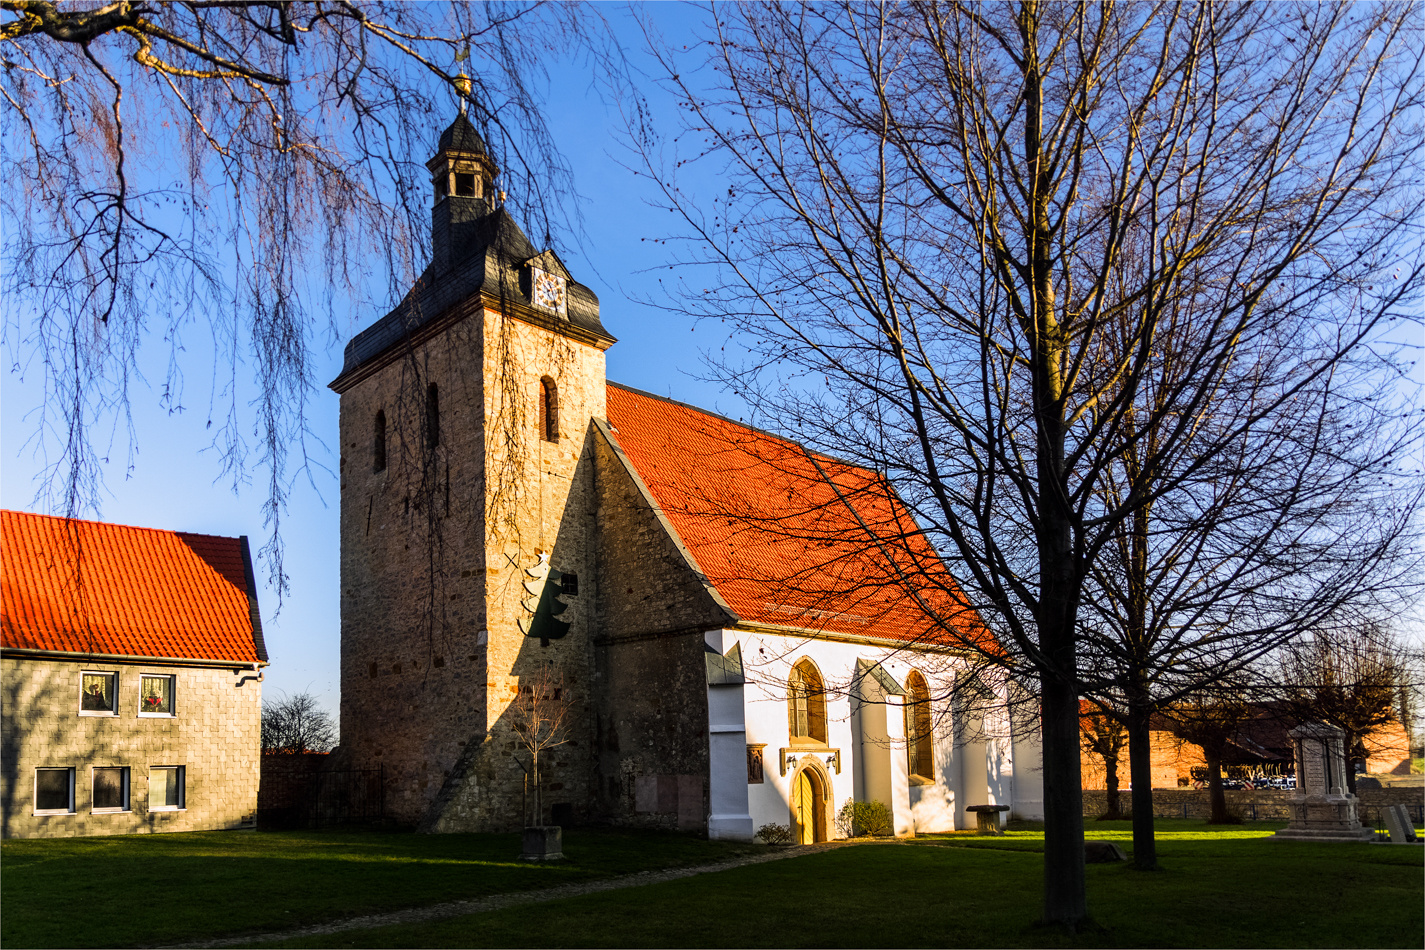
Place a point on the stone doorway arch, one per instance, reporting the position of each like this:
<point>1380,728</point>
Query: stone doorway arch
<point>810,798</point>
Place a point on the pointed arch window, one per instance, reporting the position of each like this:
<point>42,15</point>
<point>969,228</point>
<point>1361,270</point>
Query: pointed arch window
<point>548,410</point>
<point>378,442</point>
<point>432,416</point>
<point>918,730</point>
<point>806,704</point>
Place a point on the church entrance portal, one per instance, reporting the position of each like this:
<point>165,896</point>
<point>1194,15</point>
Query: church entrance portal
<point>809,807</point>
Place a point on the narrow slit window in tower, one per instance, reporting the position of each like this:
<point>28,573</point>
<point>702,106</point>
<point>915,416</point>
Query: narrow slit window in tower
<point>548,410</point>
<point>432,416</point>
<point>378,443</point>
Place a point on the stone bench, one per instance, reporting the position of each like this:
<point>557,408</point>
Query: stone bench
<point>988,818</point>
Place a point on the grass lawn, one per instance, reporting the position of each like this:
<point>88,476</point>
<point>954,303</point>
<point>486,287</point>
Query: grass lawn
<point>1219,888</point>
<point>117,891</point>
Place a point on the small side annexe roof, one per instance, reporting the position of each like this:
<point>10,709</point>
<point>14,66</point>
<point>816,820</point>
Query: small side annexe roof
<point>95,589</point>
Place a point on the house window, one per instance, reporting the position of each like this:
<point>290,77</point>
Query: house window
<point>165,788</point>
<point>378,446</point>
<point>99,694</point>
<point>918,727</point>
<point>54,791</point>
<point>111,790</point>
<point>569,585</point>
<point>155,695</point>
<point>432,416</point>
<point>806,704</point>
<point>465,185</point>
<point>548,410</point>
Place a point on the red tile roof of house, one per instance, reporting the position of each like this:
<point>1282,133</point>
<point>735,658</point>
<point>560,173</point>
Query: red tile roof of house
<point>92,588</point>
<point>788,537</point>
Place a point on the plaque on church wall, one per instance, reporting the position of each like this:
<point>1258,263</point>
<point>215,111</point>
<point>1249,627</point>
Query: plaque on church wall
<point>550,291</point>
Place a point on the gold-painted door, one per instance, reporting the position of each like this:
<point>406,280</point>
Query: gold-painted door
<point>804,800</point>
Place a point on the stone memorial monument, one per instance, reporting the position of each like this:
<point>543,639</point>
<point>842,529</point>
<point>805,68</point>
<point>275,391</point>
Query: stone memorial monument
<point>1322,810</point>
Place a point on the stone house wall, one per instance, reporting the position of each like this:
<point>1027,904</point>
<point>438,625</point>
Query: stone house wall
<point>215,736</point>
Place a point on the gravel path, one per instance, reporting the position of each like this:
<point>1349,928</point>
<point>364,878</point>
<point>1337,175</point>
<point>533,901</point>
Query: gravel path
<point>419,915</point>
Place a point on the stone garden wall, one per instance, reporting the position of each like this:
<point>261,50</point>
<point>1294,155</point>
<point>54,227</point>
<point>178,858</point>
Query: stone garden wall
<point>1257,805</point>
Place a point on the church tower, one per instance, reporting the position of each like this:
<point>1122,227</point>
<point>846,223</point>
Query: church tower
<point>467,506</point>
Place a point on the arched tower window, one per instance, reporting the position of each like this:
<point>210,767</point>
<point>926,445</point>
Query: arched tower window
<point>548,410</point>
<point>378,443</point>
<point>432,416</point>
<point>917,727</point>
<point>806,704</point>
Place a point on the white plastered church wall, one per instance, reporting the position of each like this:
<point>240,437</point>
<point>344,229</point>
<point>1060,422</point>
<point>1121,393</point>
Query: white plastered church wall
<point>865,736</point>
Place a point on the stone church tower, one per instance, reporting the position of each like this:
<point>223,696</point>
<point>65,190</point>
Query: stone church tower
<point>467,506</point>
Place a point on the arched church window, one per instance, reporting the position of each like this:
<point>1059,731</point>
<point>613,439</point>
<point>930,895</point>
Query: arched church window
<point>548,410</point>
<point>378,443</point>
<point>432,416</point>
<point>918,727</point>
<point>806,704</point>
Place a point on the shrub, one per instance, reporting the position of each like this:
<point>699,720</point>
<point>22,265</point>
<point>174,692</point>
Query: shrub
<point>775,834</point>
<point>865,818</point>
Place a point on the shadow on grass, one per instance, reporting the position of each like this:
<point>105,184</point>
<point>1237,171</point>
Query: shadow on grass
<point>1215,889</point>
<point>183,887</point>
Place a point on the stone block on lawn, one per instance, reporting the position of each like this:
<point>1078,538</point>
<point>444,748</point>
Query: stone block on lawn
<point>987,818</point>
<point>1103,852</point>
<point>543,843</point>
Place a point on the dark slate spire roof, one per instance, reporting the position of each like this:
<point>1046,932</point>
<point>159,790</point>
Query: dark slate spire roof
<point>461,136</point>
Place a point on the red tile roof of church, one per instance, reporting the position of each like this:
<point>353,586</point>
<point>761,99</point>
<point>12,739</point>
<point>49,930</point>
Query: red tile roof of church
<point>93,588</point>
<point>788,537</point>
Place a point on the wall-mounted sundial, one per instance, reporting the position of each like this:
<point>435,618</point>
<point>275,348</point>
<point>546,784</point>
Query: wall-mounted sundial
<point>548,594</point>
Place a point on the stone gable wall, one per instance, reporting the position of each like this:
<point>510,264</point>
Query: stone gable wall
<point>215,736</point>
<point>653,716</point>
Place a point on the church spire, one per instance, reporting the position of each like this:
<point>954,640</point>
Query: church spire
<point>463,186</point>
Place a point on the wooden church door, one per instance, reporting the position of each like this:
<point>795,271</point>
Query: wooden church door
<point>806,806</point>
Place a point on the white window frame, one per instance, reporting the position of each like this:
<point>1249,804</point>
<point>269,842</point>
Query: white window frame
<point>112,674</point>
<point>172,696</point>
<point>125,789</point>
<point>35,799</point>
<point>182,787</point>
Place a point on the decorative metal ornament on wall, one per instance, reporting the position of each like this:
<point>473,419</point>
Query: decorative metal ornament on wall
<point>546,600</point>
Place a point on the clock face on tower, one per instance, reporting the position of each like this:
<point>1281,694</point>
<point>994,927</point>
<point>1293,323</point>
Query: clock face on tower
<point>551,292</point>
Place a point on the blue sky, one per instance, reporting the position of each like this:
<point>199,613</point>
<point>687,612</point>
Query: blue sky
<point>173,484</point>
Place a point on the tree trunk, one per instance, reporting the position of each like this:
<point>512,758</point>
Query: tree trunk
<point>1113,811</point>
<point>1065,903</point>
<point>1349,746</point>
<point>1215,796</point>
<point>1140,775</point>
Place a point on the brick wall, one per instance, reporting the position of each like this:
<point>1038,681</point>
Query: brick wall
<point>215,736</point>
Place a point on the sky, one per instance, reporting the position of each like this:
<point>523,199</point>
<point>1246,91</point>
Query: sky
<point>175,485</point>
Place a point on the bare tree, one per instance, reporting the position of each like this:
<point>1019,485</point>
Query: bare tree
<point>1211,719</point>
<point>1298,527</point>
<point>1105,736</point>
<point>922,242</point>
<point>539,716</point>
<point>1352,677</point>
<point>248,169</point>
<point>296,724</point>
